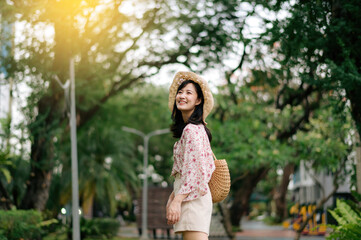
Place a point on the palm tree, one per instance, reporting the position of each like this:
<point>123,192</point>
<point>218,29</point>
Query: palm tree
<point>105,169</point>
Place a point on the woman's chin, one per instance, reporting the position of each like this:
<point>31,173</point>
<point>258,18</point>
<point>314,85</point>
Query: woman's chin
<point>182,107</point>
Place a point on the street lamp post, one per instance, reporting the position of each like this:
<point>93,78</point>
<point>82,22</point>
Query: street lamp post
<point>145,167</point>
<point>74,157</point>
<point>74,149</point>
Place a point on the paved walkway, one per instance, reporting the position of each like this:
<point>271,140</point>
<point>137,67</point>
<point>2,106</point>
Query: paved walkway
<point>252,230</point>
<point>256,230</point>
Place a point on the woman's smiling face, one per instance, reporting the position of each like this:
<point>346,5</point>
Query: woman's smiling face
<point>187,99</point>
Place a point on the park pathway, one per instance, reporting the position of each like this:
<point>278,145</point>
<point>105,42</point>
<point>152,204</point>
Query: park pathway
<point>257,230</point>
<point>252,230</point>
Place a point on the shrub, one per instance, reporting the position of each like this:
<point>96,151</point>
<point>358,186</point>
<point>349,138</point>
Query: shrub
<point>100,227</point>
<point>20,224</point>
<point>348,216</point>
<point>103,228</point>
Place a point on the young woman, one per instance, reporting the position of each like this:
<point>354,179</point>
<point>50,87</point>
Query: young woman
<point>189,207</point>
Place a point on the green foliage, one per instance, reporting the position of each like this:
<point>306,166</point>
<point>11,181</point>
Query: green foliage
<point>5,131</point>
<point>145,108</point>
<point>246,133</point>
<point>20,224</point>
<point>324,52</point>
<point>348,217</point>
<point>19,174</point>
<point>323,143</point>
<point>13,173</point>
<point>103,228</point>
<point>5,163</point>
<point>271,220</point>
<point>109,159</point>
<point>115,50</point>
<point>115,45</point>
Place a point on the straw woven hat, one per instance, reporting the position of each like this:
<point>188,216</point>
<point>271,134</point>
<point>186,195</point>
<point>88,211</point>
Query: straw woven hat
<point>207,94</point>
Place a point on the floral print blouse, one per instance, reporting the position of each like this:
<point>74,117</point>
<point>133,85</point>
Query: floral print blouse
<point>193,161</point>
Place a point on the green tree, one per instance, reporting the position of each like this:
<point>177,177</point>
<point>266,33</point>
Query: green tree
<point>115,44</point>
<point>246,134</point>
<point>283,106</point>
<point>109,159</point>
<point>325,146</point>
<point>324,51</point>
<point>315,43</point>
<point>279,92</point>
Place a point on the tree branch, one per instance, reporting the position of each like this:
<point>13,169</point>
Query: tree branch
<point>294,98</point>
<point>101,35</point>
<point>231,86</point>
<point>85,116</point>
<point>135,40</point>
<point>158,64</point>
<point>295,125</point>
<point>240,177</point>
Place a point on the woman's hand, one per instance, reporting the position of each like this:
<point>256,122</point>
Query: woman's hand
<point>173,212</point>
<point>174,208</point>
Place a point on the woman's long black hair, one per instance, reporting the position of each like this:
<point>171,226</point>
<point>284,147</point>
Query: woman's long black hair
<point>196,117</point>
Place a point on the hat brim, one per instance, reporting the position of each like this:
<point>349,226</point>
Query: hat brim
<point>207,94</point>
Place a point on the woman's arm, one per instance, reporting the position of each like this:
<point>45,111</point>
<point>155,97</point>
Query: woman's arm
<point>174,208</point>
<point>197,161</point>
<point>170,199</point>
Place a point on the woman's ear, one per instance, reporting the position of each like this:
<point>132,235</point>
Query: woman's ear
<point>199,100</point>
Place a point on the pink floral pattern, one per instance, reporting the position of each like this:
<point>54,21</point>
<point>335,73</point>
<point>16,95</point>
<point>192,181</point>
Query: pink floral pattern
<point>193,160</point>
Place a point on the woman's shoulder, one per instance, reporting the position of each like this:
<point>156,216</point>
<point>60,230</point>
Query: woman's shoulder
<point>192,129</point>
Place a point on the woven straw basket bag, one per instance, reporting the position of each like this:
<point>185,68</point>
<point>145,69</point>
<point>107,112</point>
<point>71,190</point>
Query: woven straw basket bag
<point>220,182</point>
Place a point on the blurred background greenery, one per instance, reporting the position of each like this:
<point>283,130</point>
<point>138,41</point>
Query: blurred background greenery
<point>285,75</point>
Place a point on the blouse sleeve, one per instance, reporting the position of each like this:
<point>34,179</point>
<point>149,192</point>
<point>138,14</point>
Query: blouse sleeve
<point>195,171</point>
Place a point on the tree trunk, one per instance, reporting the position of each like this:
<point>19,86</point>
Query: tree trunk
<point>49,117</point>
<point>226,219</point>
<point>87,205</point>
<point>355,99</point>
<point>241,198</point>
<point>281,191</point>
<point>38,184</point>
<point>358,162</point>
<point>37,192</point>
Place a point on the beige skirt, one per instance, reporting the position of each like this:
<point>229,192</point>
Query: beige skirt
<point>195,214</point>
